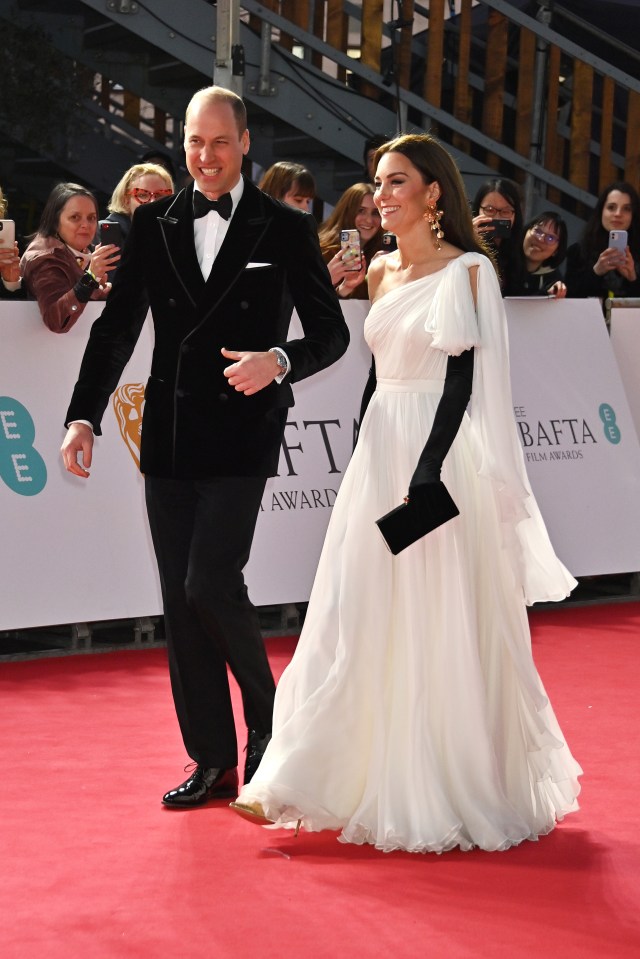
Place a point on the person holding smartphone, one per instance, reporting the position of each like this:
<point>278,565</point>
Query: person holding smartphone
<point>10,279</point>
<point>497,222</point>
<point>354,210</point>
<point>61,267</point>
<point>596,267</point>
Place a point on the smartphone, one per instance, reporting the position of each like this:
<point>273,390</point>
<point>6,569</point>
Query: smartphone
<point>350,244</point>
<point>500,228</point>
<point>7,234</point>
<point>110,232</point>
<point>618,240</point>
<point>389,242</point>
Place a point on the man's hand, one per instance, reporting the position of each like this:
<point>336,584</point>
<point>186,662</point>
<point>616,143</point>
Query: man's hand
<point>79,438</point>
<point>252,371</point>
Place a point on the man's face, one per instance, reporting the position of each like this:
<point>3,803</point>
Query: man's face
<point>214,148</point>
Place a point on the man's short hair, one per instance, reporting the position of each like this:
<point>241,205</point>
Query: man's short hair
<point>220,95</point>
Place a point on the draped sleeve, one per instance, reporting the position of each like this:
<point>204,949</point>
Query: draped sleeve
<point>456,324</point>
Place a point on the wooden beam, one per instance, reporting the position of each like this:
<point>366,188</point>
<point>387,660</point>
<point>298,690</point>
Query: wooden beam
<point>524,95</point>
<point>581,116</point>
<point>404,47</point>
<point>494,73</point>
<point>337,26</point>
<point>131,109</point>
<point>554,144</point>
<point>298,12</point>
<point>462,97</point>
<point>632,153</point>
<point>371,42</point>
<point>607,172</point>
<point>435,54</point>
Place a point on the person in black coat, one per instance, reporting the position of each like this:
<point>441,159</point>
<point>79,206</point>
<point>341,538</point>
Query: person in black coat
<point>222,266</point>
<point>594,268</point>
<point>498,222</point>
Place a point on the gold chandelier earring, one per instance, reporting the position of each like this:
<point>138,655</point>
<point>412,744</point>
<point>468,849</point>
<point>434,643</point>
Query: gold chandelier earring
<point>432,216</point>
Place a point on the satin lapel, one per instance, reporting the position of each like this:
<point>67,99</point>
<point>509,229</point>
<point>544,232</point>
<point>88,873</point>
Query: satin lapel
<point>246,229</point>
<point>177,231</point>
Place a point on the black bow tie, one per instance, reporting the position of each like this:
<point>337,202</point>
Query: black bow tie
<point>201,206</point>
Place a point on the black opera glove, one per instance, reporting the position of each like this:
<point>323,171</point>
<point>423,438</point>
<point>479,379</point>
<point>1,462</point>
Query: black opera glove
<point>369,389</point>
<point>446,423</point>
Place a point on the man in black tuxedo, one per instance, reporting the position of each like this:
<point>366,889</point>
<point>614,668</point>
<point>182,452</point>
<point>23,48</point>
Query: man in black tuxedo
<point>221,279</point>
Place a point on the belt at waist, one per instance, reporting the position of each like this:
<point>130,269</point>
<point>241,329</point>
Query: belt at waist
<point>410,386</point>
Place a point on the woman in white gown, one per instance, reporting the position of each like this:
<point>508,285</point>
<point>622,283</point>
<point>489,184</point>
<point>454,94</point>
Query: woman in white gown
<point>412,715</point>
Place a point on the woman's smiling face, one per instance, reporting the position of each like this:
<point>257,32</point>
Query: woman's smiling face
<point>401,195</point>
<point>367,220</point>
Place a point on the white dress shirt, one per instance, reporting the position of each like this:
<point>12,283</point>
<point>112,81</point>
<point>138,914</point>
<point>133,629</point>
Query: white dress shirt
<point>209,231</point>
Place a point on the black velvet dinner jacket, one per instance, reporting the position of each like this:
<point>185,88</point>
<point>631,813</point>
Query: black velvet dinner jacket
<point>194,424</point>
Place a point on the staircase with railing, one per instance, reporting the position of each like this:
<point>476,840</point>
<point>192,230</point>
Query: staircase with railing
<point>502,83</point>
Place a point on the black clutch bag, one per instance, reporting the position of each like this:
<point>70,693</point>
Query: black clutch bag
<point>416,517</point>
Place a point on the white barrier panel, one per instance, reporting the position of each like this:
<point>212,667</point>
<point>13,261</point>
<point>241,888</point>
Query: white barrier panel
<point>578,437</point>
<point>625,340</point>
<point>78,550</point>
<point>318,445</point>
<point>75,550</point>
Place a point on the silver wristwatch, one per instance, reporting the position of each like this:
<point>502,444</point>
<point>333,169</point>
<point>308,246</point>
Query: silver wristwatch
<point>282,360</point>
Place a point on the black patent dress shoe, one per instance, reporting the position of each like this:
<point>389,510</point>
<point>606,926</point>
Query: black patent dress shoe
<point>202,785</point>
<point>256,745</point>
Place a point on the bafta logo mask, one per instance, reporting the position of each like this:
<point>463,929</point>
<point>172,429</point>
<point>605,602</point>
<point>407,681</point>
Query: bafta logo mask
<point>128,403</point>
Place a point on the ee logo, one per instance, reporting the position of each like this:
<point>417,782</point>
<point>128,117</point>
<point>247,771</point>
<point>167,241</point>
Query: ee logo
<point>21,466</point>
<point>608,417</point>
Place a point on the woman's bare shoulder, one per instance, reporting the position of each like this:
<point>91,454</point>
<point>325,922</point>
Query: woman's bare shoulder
<point>377,270</point>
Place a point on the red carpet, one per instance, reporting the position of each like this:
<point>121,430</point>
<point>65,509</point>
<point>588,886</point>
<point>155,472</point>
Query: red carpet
<point>92,866</point>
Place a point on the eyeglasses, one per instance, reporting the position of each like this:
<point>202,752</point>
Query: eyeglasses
<point>548,238</point>
<point>145,196</point>
<point>504,211</point>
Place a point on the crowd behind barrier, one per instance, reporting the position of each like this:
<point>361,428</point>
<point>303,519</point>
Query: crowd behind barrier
<point>79,551</point>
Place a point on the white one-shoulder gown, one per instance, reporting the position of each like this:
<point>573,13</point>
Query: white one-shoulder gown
<point>412,715</point>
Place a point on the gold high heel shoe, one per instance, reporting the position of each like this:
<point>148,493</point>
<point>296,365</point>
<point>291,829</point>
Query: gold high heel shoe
<point>253,812</point>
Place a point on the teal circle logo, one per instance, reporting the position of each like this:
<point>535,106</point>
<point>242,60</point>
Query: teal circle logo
<point>21,466</point>
<point>608,417</point>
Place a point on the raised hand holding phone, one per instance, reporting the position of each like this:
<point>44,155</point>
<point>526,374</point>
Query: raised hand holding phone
<point>350,249</point>
<point>615,255</point>
<point>9,254</point>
